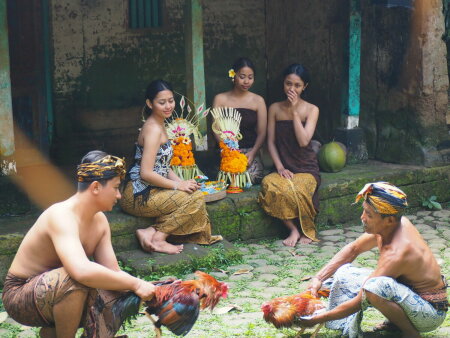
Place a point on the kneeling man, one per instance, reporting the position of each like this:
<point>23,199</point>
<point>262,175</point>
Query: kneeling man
<point>406,287</point>
<point>65,262</point>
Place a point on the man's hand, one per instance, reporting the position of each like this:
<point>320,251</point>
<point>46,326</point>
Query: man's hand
<point>314,286</point>
<point>309,321</point>
<point>145,290</point>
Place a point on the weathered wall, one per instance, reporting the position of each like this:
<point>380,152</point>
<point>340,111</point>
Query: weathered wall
<point>404,82</point>
<point>315,35</point>
<point>101,67</point>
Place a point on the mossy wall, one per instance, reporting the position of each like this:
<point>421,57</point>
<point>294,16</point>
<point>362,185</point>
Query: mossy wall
<point>101,67</point>
<point>404,81</point>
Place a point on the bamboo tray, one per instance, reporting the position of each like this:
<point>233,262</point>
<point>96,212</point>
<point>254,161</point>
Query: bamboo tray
<point>216,196</point>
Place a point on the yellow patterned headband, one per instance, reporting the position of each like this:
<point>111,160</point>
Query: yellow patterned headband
<point>103,169</point>
<point>386,198</point>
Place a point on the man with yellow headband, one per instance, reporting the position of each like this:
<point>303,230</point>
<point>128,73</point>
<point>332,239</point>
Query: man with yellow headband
<point>60,274</point>
<point>406,286</point>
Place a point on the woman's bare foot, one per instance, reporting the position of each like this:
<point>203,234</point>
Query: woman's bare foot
<point>304,240</point>
<point>164,247</point>
<point>292,239</point>
<point>145,237</point>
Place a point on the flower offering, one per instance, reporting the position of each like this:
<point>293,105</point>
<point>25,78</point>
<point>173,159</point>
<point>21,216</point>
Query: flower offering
<point>233,164</point>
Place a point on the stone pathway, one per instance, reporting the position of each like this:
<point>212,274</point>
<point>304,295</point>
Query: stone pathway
<point>275,270</point>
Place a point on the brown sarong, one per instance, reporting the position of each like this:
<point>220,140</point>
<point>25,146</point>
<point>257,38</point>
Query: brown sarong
<point>181,215</point>
<point>437,298</point>
<point>31,301</point>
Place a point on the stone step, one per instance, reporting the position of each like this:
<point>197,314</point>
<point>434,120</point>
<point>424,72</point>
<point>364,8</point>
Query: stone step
<point>143,263</point>
<point>239,217</point>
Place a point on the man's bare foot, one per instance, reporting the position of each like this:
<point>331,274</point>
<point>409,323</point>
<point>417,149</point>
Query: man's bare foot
<point>304,240</point>
<point>145,237</point>
<point>164,247</point>
<point>292,239</point>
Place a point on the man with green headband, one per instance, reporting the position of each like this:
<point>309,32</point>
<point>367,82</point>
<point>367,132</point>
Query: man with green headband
<point>60,274</point>
<point>406,286</point>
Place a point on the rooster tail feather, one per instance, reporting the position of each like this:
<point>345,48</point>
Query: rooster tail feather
<point>125,308</point>
<point>178,318</point>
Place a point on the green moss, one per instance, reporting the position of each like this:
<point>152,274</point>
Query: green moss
<point>218,258</point>
<point>227,226</point>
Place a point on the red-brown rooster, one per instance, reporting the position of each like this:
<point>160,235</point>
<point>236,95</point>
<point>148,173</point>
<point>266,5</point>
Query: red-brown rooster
<point>286,311</point>
<point>176,303</point>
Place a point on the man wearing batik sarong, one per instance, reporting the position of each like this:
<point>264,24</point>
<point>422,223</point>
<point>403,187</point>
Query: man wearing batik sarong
<point>406,286</point>
<point>52,282</point>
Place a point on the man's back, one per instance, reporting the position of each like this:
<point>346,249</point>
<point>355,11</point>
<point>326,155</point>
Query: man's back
<point>418,266</point>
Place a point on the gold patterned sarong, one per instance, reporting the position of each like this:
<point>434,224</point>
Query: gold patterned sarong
<point>181,215</point>
<point>290,199</point>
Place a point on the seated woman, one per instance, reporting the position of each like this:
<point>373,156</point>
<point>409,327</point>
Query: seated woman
<point>291,193</point>
<point>153,190</point>
<point>253,111</point>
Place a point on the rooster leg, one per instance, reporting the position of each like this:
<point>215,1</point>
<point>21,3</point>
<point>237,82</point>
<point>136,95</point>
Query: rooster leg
<point>300,332</point>
<point>317,330</point>
<point>158,331</point>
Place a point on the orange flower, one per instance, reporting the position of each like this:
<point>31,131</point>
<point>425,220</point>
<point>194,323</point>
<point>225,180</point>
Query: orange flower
<point>175,161</point>
<point>233,161</point>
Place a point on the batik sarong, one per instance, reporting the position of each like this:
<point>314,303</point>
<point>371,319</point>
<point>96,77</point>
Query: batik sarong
<point>180,214</point>
<point>289,199</point>
<point>348,281</point>
<point>256,169</point>
<point>31,301</point>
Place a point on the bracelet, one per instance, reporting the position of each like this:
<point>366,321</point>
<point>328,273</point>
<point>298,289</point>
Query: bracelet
<point>176,185</point>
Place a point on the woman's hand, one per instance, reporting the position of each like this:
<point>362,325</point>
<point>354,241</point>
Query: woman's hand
<point>250,157</point>
<point>285,173</point>
<point>292,97</point>
<point>188,186</point>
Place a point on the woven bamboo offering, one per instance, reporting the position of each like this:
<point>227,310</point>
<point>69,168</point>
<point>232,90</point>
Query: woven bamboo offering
<point>233,165</point>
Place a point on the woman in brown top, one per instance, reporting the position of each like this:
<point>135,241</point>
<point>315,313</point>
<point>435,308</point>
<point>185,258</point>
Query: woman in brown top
<point>253,111</point>
<point>291,193</point>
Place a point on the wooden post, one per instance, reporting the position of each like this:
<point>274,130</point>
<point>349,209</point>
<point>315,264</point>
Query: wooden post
<point>195,69</point>
<point>6,115</point>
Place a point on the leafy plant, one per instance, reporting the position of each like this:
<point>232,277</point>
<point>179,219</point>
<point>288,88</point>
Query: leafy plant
<point>431,203</point>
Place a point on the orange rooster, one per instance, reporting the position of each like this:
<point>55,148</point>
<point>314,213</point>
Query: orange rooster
<point>176,303</point>
<point>286,311</point>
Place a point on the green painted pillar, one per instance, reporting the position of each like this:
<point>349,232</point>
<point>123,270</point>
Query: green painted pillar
<point>6,115</point>
<point>354,69</point>
<point>350,134</point>
<point>195,68</point>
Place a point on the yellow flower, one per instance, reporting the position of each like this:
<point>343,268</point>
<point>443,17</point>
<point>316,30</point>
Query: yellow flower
<point>231,73</point>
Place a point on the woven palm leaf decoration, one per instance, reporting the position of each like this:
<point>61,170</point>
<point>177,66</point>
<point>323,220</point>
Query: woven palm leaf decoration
<point>233,164</point>
<point>180,127</point>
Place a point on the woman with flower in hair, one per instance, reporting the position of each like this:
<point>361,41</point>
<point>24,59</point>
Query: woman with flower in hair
<point>290,194</point>
<point>152,189</point>
<point>253,111</point>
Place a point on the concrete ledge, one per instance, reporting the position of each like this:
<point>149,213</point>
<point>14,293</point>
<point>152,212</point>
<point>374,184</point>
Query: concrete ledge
<point>239,217</point>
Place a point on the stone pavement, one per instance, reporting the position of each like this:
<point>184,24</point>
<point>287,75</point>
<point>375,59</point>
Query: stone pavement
<point>273,270</point>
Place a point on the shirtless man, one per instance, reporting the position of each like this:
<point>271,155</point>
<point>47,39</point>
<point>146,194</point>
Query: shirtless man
<point>52,283</point>
<point>406,287</point>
